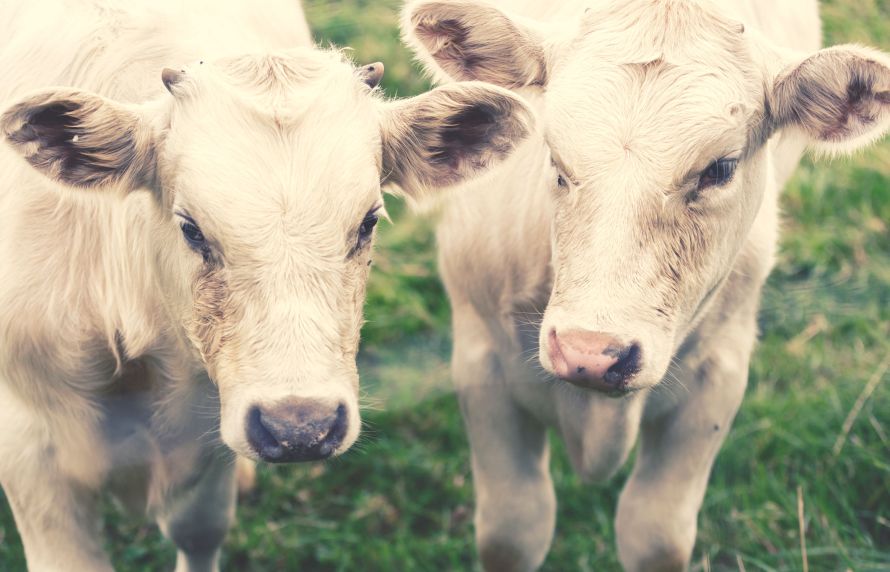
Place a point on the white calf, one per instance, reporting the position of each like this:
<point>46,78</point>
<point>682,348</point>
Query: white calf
<point>184,268</point>
<point>628,240</point>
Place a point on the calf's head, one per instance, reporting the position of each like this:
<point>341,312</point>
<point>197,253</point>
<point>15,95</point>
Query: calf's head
<point>267,176</point>
<point>657,115</point>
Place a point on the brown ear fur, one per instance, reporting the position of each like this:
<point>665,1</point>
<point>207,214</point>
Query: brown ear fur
<point>451,133</point>
<point>475,42</point>
<point>839,96</point>
<point>81,139</point>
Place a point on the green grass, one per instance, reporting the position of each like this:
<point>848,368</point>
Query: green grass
<point>402,500</point>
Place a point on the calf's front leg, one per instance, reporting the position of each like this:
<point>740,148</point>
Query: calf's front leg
<point>658,508</point>
<point>515,502</point>
<point>198,516</point>
<point>55,510</point>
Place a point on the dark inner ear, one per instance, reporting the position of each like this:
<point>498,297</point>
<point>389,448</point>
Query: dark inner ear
<point>80,144</point>
<point>52,127</point>
<point>47,126</point>
<point>479,43</point>
<point>465,134</point>
<point>452,55</point>
<point>449,134</point>
<point>861,96</point>
<point>833,96</point>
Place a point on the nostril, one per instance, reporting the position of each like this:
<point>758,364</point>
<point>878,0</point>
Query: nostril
<point>341,411</point>
<point>336,433</point>
<point>262,440</point>
<point>628,364</point>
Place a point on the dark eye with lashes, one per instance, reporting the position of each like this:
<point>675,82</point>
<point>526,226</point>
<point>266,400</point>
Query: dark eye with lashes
<point>718,173</point>
<point>560,179</point>
<point>193,235</point>
<point>366,228</point>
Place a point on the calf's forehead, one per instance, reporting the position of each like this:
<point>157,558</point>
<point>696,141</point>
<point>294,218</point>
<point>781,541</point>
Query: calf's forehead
<point>663,115</point>
<point>233,158</point>
<point>654,73</point>
<point>676,31</point>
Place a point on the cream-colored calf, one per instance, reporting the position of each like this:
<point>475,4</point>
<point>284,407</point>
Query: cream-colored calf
<point>184,254</point>
<point>626,243</point>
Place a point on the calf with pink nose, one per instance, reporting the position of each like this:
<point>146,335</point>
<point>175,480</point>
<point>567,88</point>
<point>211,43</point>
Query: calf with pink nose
<point>627,241</point>
<point>184,257</point>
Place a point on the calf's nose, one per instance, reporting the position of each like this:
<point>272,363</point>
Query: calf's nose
<point>294,430</point>
<point>593,360</point>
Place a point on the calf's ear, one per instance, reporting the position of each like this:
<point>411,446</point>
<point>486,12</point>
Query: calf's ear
<point>449,134</point>
<point>81,139</point>
<point>468,40</point>
<point>839,97</point>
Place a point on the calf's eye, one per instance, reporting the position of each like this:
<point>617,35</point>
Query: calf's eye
<point>718,173</point>
<point>193,235</point>
<point>367,226</point>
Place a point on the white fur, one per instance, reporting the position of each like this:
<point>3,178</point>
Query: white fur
<point>635,100</point>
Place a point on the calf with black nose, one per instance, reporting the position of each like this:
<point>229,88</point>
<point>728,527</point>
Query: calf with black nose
<point>198,250</point>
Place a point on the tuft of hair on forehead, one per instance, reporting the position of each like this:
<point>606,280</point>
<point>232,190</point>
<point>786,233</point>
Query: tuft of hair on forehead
<point>671,31</point>
<point>283,84</point>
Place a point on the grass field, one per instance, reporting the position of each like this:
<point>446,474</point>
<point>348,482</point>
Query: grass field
<point>402,499</point>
